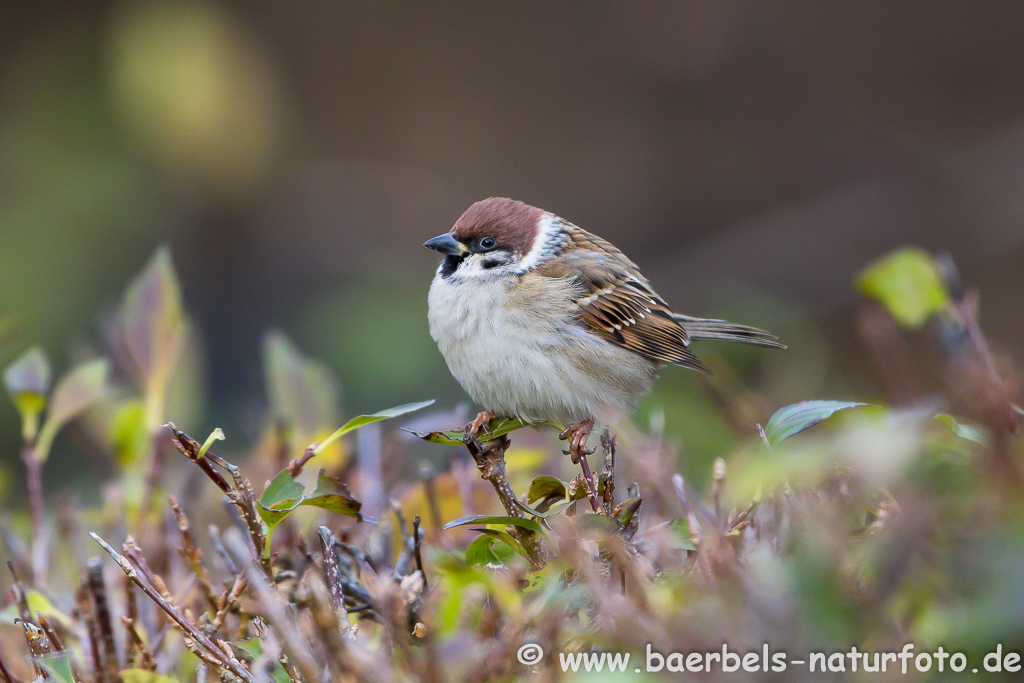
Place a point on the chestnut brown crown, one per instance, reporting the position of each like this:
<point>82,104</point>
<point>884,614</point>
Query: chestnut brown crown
<point>511,223</point>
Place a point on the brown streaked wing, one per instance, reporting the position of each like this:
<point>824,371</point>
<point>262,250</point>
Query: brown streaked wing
<point>617,302</point>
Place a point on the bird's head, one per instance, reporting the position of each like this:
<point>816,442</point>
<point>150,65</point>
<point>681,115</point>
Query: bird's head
<point>496,237</point>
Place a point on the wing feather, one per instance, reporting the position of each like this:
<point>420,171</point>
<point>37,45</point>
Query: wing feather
<point>617,303</point>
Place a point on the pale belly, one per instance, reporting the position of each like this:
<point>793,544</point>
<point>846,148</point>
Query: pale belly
<point>531,358</point>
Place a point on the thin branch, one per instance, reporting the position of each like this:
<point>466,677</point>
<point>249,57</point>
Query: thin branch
<point>101,611</point>
<point>148,661</point>
<point>193,555</point>
<point>491,463</point>
<point>193,633</point>
<point>296,465</point>
<point>34,476</point>
<point>332,573</point>
<point>416,538</point>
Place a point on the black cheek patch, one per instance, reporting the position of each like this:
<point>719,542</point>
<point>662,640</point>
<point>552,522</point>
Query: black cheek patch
<point>492,263</point>
<point>449,264</point>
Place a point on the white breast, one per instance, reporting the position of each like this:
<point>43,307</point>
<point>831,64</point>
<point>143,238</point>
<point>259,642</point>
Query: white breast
<point>520,352</point>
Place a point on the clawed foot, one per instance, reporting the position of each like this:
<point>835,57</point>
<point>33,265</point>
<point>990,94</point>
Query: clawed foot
<point>482,418</point>
<point>578,452</point>
<point>577,436</point>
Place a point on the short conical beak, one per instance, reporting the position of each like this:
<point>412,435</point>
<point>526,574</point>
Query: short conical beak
<point>446,244</point>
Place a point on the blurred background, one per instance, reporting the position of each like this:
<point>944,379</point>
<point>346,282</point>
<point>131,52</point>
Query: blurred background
<point>751,157</point>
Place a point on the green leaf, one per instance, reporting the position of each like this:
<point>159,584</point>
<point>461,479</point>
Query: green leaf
<point>547,489</point>
<point>362,420</point>
<point>216,435</point>
<point>975,433</point>
<point>252,649</point>
<point>331,494</point>
<point>302,392</point>
<point>79,389</point>
<point>28,380</point>
<point>146,676</point>
<point>795,418</point>
<point>129,434</point>
<point>628,509</point>
<point>58,665</point>
<point>37,603</point>
<point>284,494</point>
<point>499,426</point>
<point>485,550</point>
<point>503,536</point>
<point>529,524</point>
<point>908,283</point>
<point>153,329</point>
<point>680,526</point>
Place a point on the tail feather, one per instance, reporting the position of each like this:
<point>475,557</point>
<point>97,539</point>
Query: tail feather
<point>721,330</point>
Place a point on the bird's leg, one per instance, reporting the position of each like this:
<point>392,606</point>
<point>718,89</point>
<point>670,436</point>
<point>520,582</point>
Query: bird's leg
<point>578,452</point>
<point>482,418</point>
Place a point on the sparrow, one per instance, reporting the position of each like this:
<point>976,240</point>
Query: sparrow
<point>543,321</point>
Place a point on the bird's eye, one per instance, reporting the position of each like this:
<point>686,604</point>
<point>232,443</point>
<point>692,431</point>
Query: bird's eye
<point>488,243</point>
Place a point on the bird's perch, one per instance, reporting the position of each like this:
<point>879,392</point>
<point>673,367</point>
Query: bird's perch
<point>490,460</point>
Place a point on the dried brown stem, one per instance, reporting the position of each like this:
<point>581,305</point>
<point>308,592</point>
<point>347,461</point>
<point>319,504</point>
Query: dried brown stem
<point>148,662</point>
<point>296,465</point>
<point>416,549</point>
<point>241,494</point>
<point>278,614</point>
<point>109,667</point>
<point>134,553</point>
<point>217,660</point>
<point>490,460</point>
<point>20,596</point>
<point>228,600</point>
<point>588,480</point>
<point>34,476</point>
<point>192,555</point>
<point>607,476</point>
<point>84,612</point>
<point>51,634</point>
<point>332,572</point>
<point>190,448</point>
<point>37,645</point>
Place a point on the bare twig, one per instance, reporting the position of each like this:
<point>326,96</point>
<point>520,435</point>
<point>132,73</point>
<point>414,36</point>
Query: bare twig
<point>192,555</point>
<point>332,573</point>
<point>34,476</point>
<point>241,494</point>
<point>217,658</point>
<point>190,448</point>
<point>101,611</point>
<point>296,465</point>
<point>147,661</point>
<point>20,596</point>
<point>416,539</point>
<point>607,476</point>
<point>51,634</point>
<point>37,645</point>
<point>490,460</point>
<point>228,600</point>
<point>279,615</point>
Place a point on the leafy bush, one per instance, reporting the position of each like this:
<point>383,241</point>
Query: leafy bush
<point>886,526</point>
